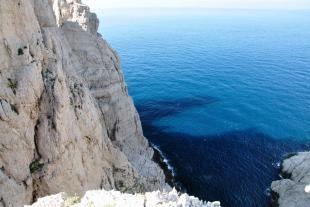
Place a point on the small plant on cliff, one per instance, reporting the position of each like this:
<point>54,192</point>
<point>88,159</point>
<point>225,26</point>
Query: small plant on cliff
<point>12,85</point>
<point>70,201</point>
<point>20,51</point>
<point>35,166</point>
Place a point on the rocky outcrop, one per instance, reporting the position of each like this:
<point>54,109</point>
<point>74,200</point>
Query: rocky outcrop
<point>67,122</point>
<point>294,189</point>
<point>118,199</point>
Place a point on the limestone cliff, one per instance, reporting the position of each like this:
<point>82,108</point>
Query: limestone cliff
<point>67,122</point>
<point>294,189</point>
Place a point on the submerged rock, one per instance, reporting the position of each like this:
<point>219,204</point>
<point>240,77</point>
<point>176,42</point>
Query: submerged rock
<point>118,199</point>
<point>294,189</point>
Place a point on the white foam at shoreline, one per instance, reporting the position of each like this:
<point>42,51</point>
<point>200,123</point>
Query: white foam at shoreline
<point>165,160</point>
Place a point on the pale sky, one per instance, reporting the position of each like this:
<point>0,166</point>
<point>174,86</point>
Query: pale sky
<point>239,4</point>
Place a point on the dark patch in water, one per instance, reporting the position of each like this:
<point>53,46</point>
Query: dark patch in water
<point>234,167</point>
<point>157,109</point>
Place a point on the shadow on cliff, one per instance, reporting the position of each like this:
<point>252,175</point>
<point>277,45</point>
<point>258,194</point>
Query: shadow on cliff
<point>235,167</point>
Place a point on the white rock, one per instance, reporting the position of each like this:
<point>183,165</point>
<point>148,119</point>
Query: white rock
<point>51,201</point>
<point>99,198</point>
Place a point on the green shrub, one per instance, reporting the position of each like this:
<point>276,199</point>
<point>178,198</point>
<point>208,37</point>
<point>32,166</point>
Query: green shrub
<point>35,166</point>
<point>12,85</point>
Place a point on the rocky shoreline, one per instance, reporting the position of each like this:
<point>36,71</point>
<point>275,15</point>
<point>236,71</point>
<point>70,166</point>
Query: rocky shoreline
<point>293,190</point>
<point>168,170</point>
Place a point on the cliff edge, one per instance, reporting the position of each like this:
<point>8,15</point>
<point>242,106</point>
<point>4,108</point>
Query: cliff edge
<point>67,123</point>
<point>118,199</point>
<point>294,189</point>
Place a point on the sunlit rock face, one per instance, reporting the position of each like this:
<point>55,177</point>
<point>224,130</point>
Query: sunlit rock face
<point>118,199</point>
<point>67,122</point>
<point>294,189</point>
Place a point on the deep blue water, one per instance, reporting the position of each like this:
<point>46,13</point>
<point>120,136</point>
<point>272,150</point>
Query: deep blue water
<point>225,94</point>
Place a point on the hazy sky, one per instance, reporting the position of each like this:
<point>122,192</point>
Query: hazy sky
<point>242,4</point>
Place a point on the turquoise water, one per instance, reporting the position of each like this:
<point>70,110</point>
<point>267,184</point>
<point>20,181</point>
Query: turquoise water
<point>225,94</point>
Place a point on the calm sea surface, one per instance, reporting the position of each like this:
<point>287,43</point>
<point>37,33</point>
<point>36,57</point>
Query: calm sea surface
<point>224,94</point>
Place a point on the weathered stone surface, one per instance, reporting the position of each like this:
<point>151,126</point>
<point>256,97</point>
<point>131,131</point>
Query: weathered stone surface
<point>118,199</point>
<point>294,189</point>
<point>67,122</point>
<point>75,11</point>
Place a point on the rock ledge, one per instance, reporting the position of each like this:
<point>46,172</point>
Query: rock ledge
<point>294,189</point>
<point>117,199</point>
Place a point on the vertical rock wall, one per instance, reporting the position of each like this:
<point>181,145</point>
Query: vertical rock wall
<point>67,122</point>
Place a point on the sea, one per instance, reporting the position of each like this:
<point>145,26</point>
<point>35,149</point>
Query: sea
<point>224,94</point>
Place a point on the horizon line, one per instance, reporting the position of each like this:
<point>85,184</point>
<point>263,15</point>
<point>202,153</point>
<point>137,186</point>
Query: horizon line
<point>210,8</point>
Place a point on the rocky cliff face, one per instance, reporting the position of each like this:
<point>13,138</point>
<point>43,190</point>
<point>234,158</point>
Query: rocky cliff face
<point>66,120</point>
<point>294,189</point>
